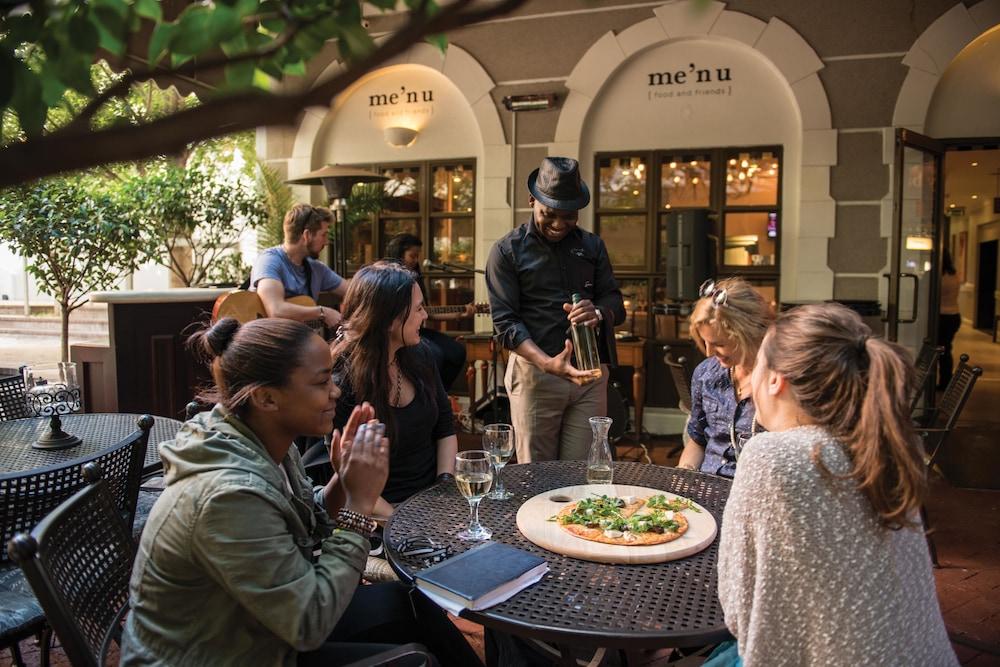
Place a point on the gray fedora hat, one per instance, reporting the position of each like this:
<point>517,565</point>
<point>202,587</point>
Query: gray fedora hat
<point>557,184</point>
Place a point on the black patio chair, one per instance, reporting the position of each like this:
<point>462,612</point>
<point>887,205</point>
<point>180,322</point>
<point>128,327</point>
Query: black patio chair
<point>28,497</point>
<point>405,655</point>
<point>939,422</point>
<point>682,378</point>
<point>12,403</point>
<point>926,370</point>
<point>938,426</point>
<point>78,561</point>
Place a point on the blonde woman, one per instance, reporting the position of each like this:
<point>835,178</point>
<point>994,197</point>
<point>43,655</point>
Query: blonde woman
<point>822,559</point>
<point>727,323</point>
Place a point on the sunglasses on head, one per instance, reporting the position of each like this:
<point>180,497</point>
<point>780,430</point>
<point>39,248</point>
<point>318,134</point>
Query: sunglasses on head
<point>718,295</point>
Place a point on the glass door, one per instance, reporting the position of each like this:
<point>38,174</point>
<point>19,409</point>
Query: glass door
<point>911,301</point>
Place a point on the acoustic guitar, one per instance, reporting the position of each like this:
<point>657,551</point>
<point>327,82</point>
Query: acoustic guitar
<point>246,306</point>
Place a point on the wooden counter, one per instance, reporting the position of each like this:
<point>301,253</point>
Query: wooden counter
<point>145,368</point>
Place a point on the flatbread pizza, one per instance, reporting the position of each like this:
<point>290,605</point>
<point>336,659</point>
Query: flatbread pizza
<point>626,521</point>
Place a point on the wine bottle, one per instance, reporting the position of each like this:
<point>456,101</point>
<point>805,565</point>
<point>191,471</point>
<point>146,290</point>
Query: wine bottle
<point>585,344</point>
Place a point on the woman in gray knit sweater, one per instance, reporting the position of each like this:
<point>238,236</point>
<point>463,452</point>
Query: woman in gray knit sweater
<point>822,558</point>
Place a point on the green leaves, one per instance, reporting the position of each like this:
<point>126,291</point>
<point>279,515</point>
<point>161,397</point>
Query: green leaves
<point>76,233</point>
<point>439,41</point>
<point>149,9</point>
<point>49,50</point>
<point>159,41</point>
<point>205,204</point>
<point>111,18</point>
<point>203,27</point>
<point>26,98</point>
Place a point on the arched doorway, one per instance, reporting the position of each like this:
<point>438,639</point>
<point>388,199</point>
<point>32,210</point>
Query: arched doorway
<point>446,98</point>
<point>771,55</point>
<point>951,93</point>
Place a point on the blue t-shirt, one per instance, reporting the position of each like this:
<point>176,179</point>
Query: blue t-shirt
<point>274,263</point>
<point>713,409</point>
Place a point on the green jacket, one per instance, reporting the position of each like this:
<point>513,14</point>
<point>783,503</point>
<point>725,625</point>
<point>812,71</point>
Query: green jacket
<point>224,573</point>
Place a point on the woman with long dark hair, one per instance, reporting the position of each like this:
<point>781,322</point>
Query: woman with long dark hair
<point>449,354</point>
<point>225,572</point>
<point>379,358</point>
<point>822,559</point>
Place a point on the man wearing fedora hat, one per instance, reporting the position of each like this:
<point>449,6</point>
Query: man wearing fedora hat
<point>531,276</point>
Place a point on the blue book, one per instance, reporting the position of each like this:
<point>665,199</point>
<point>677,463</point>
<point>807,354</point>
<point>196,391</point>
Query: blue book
<point>483,576</point>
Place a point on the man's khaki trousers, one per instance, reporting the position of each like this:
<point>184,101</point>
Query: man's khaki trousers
<point>549,414</point>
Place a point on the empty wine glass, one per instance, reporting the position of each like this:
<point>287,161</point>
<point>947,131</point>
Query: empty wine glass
<point>498,440</point>
<point>474,477</point>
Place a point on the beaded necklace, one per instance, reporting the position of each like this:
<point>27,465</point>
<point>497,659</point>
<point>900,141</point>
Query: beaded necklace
<point>399,383</point>
<point>732,423</point>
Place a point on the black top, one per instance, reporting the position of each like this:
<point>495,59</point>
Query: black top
<point>421,423</point>
<point>530,278</point>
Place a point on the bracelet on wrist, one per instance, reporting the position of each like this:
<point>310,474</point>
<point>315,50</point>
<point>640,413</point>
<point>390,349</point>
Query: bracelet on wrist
<point>446,477</point>
<point>356,523</point>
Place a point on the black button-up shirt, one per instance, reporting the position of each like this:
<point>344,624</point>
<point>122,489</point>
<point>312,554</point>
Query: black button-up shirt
<point>529,279</point>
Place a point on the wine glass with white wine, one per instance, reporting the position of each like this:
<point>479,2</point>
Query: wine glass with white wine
<point>498,440</point>
<point>474,477</point>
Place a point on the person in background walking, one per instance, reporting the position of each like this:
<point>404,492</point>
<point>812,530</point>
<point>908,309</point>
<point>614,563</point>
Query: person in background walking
<point>949,319</point>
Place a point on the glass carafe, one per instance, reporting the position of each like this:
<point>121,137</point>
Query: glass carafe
<point>600,466</point>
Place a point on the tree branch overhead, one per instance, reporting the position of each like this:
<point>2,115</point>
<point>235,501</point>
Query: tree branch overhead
<point>242,105</point>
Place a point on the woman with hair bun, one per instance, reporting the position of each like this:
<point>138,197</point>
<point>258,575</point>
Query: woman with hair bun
<point>225,572</point>
<point>727,324</point>
<point>823,559</point>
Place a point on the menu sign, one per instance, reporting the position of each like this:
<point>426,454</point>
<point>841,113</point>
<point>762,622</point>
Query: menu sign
<point>403,102</point>
<point>690,81</point>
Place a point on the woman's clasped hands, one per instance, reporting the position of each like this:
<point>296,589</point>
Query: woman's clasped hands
<point>361,458</point>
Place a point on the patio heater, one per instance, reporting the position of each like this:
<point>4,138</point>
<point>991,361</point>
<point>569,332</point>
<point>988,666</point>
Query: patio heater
<point>337,181</point>
<point>516,104</point>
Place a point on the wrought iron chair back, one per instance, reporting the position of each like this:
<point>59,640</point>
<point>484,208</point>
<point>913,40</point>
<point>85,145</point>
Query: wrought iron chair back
<point>12,395</point>
<point>926,369</point>
<point>78,561</point>
<point>941,422</point>
<point>194,407</point>
<point>944,417</point>
<point>27,497</point>
<point>681,377</point>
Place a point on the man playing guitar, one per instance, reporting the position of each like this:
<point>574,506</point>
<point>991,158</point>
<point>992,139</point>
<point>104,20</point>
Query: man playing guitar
<point>292,269</point>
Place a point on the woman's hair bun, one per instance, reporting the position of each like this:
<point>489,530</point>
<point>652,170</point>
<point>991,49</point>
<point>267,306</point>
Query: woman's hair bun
<point>212,341</point>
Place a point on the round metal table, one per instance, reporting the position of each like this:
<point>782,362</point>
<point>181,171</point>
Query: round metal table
<point>579,602</point>
<point>98,432</point>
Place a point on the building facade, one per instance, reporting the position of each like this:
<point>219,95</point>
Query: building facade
<point>774,124</point>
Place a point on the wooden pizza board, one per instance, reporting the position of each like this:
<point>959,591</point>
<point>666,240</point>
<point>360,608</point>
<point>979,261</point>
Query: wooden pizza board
<point>532,521</point>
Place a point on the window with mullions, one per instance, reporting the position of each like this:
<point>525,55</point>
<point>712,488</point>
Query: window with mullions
<point>738,188</point>
<point>750,212</point>
<point>434,201</point>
